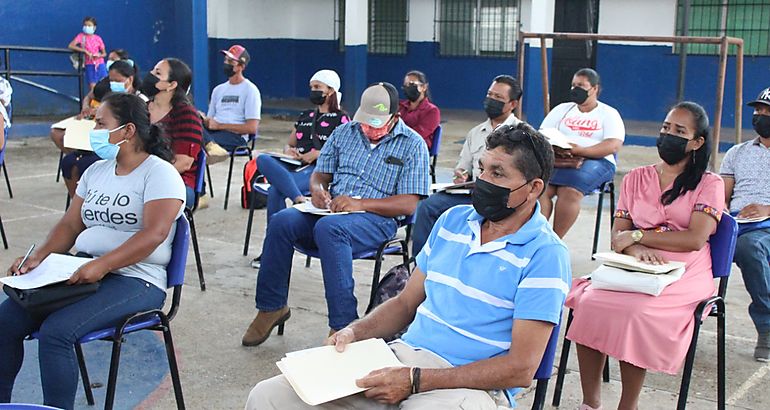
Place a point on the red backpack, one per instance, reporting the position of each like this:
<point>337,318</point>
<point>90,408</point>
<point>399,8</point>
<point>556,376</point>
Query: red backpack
<point>250,176</point>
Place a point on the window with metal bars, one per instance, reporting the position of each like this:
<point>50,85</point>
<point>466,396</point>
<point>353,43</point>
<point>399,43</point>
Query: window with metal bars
<point>388,20</point>
<point>339,24</point>
<point>477,27</point>
<point>747,19</point>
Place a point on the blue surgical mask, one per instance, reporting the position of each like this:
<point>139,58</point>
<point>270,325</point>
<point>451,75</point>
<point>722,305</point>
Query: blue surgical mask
<point>89,29</point>
<point>109,63</point>
<point>100,143</point>
<point>117,87</point>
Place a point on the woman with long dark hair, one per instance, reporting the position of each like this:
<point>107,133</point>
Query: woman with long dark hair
<point>666,212</point>
<point>417,110</point>
<point>123,216</point>
<point>168,85</point>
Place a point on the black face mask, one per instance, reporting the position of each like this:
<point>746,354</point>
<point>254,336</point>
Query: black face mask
<point>317,97</point>
<point>491,201</point>
<point>411,92</point>
<point>229,70</point>
<point>671,148</point>
<point>148,87</point>
<point>578,95</point>
<point>493,108</point>
<point>761,125</point>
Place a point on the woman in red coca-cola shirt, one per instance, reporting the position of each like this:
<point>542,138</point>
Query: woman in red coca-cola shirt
<point>596,133</point>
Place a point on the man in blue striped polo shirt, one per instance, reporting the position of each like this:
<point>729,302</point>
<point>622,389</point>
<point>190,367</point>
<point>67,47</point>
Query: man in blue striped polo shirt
<point>374,167</point>
<point>481,305</point>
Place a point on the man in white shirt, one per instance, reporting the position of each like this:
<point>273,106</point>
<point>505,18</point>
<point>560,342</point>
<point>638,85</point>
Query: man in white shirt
<point>502,98</point>
<point>234,109</point>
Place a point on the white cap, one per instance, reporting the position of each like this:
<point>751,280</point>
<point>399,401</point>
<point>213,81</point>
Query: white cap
<point>331,79</point>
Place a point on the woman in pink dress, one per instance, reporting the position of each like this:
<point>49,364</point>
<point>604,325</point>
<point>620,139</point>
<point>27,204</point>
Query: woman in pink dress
<point>666,212</point>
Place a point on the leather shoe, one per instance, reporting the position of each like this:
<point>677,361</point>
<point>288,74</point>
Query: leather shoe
<point>262,325</point>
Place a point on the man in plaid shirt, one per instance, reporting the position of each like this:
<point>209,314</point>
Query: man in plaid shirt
<point>372,171</point>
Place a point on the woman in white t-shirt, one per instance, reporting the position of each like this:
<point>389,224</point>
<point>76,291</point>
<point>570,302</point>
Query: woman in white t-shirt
<point>596,133</point>
<point>123,215</point>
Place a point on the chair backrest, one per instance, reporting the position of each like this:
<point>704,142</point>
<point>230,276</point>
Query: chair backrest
<point>545,370</point>
<point>200,179</point>
<point>436,142</point>
<point>723,246</point>
<point>176,266</point>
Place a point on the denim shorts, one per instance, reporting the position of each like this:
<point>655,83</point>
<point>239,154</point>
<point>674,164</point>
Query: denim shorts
<point>94,73</point>
<point>586,179</point>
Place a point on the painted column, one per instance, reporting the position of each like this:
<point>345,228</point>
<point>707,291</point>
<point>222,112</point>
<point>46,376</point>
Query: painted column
<point>356,36</point>
<point>193,46</point>
<point>538,18</point>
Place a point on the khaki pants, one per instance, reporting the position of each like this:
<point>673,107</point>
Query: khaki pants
<point>277,393</point>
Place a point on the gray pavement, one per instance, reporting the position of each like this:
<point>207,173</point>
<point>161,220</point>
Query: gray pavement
<point>217,372</point>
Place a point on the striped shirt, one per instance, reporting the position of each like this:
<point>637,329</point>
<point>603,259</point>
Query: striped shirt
<point>397,165</point>
<point>474,292</point>
<point>182,126</point>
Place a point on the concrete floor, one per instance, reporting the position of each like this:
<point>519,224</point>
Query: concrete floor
<point>217,372</point>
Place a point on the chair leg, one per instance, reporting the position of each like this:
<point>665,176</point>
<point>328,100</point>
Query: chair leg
<point>307,261</point>
<point>7,181</point>
<point>283,325</point>
<point>196,250</point>
<point>541,389</point>
<point>84,374</point>
<point>112,380</point>
<point>208,175</point>
<point>598,224</point>
<point>67,202</point>
<point>58,167</point>
<point>173,368</point>
<point>721,394</point>
<point>562,371</point>
<point>229,178</point>
<point>684,388</point>
<point>2,233</point>
<point>606,370</point>
<point>252,203</point>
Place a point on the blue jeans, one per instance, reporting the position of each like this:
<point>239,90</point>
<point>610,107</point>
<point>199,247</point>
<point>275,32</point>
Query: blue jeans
<point>189,197</point>
<point>751,255</point>
<point>284,181</point>
<point>585,179</point>
<point>337,238</point>
<point>117,297</point>
<point>228,140</point>
<point>428,212</point>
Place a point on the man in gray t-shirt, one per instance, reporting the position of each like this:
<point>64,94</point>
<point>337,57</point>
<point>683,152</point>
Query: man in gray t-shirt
<point>234,109</point>
<point>747,193</point>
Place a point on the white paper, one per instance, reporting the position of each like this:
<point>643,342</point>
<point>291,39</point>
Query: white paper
<point>308,208</point>
<point>452,188</point>
<point>53,269</point>
<point>751,220</point>
<point>620,280</point>
<point>76,134</point>
<point>630,263</point>
<point>322,374</point>
<point>556,138</point>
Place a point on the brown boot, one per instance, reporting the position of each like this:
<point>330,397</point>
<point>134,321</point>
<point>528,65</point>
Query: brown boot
<point>260,328</point>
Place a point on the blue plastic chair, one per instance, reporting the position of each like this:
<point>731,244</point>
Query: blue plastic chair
<point>200,178</point>
<point>255,190</point>
<point>155,319</point>
<point>433,152</point>
<point>242,151</point>
<point>24,406</point>
<point>722,244</point>
<point>545,370</point>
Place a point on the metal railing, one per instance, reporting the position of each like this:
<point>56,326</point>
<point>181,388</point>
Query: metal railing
<point>10,73</point>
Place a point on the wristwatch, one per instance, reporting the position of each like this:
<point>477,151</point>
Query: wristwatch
<point>637,235</point>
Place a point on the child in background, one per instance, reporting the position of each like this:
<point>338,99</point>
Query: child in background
<point>92,46</point>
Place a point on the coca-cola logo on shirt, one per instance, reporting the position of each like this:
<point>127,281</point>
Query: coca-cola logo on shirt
<point>583,126</point>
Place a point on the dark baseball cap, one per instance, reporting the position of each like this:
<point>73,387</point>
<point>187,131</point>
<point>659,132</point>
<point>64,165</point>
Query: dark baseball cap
<point>238,53</point>
<point>378,102</point>
<point>762,98</point>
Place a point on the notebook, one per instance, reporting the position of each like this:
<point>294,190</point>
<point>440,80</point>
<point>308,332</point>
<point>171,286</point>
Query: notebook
<point>556,138</point>
<point>76,134</point>
<point>322,374</point>
<point>53,269</point>
<point>630,263</point>
<point>308,208</point>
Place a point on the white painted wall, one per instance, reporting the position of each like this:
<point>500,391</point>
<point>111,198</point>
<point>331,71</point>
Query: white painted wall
<point>293,19</point>
<point>422,15</point>
<point>635,17</point>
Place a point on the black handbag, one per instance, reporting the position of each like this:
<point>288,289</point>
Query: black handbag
<point>41,302</point>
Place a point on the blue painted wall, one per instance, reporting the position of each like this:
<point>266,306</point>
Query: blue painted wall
<point>148,29</point>
<point>640,81</point>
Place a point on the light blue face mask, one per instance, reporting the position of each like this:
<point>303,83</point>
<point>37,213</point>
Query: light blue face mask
<point>109,63</point>
<point>117,87</point>
<point>89,29</point>
<point>100,143</point>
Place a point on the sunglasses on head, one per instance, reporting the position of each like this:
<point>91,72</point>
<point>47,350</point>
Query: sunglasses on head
<point>520,136</point>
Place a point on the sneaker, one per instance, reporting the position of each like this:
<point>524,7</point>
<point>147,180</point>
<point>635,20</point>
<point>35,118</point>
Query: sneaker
<point>215,153</point>
<point>203,202</point>
<point>762,350</point>
<point>256,262</point>
<point>262,325</point>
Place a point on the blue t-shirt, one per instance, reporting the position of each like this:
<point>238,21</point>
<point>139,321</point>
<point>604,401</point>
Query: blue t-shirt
<point>474,292</point>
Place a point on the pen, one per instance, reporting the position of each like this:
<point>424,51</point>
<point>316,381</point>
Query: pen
<point>328,201</point>
<point>24,259</point>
